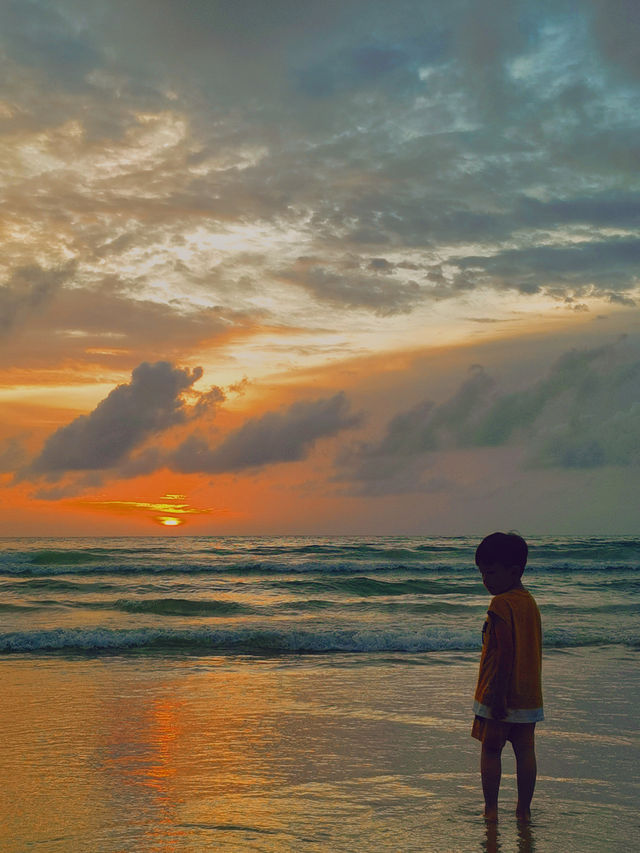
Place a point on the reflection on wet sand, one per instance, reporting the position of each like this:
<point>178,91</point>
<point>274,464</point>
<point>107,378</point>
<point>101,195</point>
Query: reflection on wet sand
<point>491,841</point>
<point>167,754</point>
<point>525,838</point>
<point>117,751</point>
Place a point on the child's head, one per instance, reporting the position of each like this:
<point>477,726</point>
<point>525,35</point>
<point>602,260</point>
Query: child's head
<point>501,558</point>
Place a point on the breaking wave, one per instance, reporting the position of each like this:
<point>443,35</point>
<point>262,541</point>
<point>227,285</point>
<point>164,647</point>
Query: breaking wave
<point>266,641</point>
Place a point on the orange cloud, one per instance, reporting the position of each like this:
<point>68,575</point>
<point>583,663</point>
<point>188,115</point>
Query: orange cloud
<point>166,507</point>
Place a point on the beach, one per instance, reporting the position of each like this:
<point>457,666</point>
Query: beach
<point>155,747</point>
<point>338,753</point>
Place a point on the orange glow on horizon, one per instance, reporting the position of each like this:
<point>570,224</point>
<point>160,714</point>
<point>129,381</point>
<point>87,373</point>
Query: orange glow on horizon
<point>169,522</point>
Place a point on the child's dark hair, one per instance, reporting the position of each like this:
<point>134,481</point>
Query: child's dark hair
<point>509,549</point>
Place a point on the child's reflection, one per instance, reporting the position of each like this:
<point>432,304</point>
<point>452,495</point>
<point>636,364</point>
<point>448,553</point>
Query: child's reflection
<point>491,840</point>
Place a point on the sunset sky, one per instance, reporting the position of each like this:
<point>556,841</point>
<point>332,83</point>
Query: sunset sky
<point>319,267</point>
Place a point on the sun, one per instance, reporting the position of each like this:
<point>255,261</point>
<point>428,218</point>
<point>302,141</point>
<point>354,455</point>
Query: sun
<point>168,521</point>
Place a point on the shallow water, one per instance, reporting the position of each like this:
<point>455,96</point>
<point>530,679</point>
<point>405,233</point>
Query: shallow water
<point>342,752</point>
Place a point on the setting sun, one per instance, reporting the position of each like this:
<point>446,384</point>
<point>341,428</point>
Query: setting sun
<point>170,522</point>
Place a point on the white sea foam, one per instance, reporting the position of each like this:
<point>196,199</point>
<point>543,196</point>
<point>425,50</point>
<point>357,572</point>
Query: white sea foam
<point>263,640</point>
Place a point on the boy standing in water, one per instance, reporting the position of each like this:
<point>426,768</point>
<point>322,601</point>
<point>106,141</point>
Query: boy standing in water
<point>508,697</point>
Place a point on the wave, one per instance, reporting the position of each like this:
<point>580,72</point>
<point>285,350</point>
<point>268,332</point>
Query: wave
<point>70,558</point>
<point>364,551</point>
<point>91,565</point>
<point>55,585</point>
<point>180,606</point>
<point>363,586</point>
<point>425,608</point>
<point>589,609</point>
<point>264,641</point>
<point>604,585</point>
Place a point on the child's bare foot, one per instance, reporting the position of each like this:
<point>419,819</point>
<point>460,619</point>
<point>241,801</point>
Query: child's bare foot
<point>491,815</point>
<point>523,815</point>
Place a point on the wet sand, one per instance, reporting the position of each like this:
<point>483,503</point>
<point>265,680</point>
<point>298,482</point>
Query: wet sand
<point>341,753</point>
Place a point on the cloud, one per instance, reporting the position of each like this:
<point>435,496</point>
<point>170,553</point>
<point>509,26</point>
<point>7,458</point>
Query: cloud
<point>600,422</point>
<point>373,63</point>
<point>148,405</point>
<point>112,440</point>
<point>106,325</point>
<point>580,266</point>
<point>37,35</point>
<point>27,290</point>
<point>485,144</point>
<point>274,437</point>
<point>171,505</point>
<point>12,454</point>
<point>397,462</point>
<point>585,413</point>
<point>344,286</point>
<point>427,426</point>
<point>616,28</point>
<point>607,210</point>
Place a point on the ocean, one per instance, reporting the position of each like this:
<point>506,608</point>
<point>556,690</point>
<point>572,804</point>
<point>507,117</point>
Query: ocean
<point>302,693</point>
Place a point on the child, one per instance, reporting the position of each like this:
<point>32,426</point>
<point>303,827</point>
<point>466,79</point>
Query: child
<point>508,697</point>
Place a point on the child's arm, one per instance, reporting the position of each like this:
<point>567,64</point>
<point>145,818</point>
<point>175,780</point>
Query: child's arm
<point>504,662</point>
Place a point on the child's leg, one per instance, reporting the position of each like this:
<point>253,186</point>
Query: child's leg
<point>491,771</point>
<point>523,740</point>
<point>491,765</point>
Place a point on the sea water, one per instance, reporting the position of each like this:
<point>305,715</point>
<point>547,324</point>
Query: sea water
<point>301,693</point>
<point>299,595</point>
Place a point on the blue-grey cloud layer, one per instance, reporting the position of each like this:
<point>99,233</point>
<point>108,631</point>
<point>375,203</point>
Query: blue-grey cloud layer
<point>488,143</point>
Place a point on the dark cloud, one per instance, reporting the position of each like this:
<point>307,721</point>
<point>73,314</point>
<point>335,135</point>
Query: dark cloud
<point>107,326</point>
<point>584,414</point>
<point>346,287</point>
<point>40,36</point>
<point>27,290</point>
<point>619,299</point>
<point>274,437</point>
<point>600,422</point>
<point>150,404</point>
<point>393,64</point>
<point>395,464</point>
<point>13,454</point>
<point>110,441</point>
<point>579,266</point>
<point>71,487</point>
<point>207,402</point>
<point>607,210</point>
<point>616,29</point>
<point>139,464</point>
<point>379,264</point>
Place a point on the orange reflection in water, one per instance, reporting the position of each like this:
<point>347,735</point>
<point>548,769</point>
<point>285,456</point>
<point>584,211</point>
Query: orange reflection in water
<point>190,750</point>
<point>164,731</point>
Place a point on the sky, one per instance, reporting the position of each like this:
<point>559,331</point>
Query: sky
<point>349,267</point>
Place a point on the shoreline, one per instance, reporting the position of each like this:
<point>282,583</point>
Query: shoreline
<point>278,754</point>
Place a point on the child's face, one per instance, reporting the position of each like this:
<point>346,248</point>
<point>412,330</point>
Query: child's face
<point>499,578</point>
